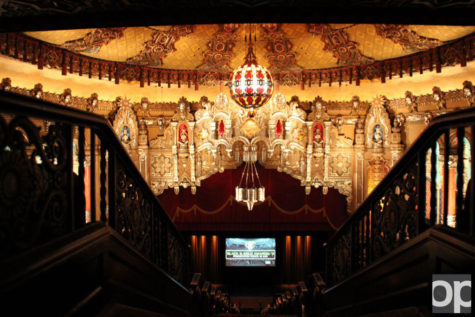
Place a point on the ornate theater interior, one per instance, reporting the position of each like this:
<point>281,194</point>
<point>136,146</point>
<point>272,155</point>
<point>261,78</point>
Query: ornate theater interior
<point>158,162</point>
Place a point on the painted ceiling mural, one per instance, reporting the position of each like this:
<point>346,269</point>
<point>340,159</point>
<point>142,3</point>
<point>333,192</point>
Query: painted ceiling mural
<point>279,46</point>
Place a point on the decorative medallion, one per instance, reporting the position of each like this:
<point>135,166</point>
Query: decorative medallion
<point>340,165</point>
<point>161,44</point>
<point>94,40</point>
<point>220,49</point>
<point>161,166</point>
<point>250,128</point>
<point>281,57</point>
<point>338,42</point>
<point>409,40</point>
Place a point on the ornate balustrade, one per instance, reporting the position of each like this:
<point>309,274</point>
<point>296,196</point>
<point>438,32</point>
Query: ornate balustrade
<point>429,186</point>
<point>62,169</point>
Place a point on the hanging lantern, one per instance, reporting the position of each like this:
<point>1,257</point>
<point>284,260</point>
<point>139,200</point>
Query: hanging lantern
<point>250,190</point>
<point>251,85</point>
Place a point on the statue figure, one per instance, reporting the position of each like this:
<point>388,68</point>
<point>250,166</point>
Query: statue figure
<point>377,136</point>
<point>182,113</point>
<point>125,134</point>
<point>183,139</point>
<point>317,136</point>
<point>410,101</point>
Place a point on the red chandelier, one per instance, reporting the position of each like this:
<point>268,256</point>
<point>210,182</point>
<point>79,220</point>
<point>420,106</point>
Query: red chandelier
<point>251,85</point>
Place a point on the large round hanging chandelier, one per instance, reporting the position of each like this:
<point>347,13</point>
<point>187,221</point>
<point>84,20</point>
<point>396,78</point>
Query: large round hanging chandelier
<point>251,85</point>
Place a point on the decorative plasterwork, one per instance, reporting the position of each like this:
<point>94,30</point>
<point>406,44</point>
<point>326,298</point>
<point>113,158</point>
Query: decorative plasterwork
<point>194,148</point>
<point>47,55</point>
<point>125,124</point>
<point>281,55</point>
<point>408,39</point>
<point>220,49</point>
<point>340,165</point>
<point>94,40</point>
<point>377,124</point>
<point>287,140</point>
<point>338,42</point>
<point>161,44</point>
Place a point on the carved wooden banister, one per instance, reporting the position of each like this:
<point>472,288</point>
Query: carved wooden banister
<point>45,152</point>
<point>412,197</point>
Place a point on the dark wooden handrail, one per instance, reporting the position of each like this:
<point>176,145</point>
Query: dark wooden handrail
<point>136,212</point>
<point>401,197</point>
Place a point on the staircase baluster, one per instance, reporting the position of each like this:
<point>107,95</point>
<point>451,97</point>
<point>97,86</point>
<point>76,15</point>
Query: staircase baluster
<point>93,176</point>
<point>102,176</point>
<point>459,198</point>
<point>446,173</point>
<point>472,187</point>
<point>112,181</point>
<point>81,156</point>
<point>421,188</point>
<point>68,136</point>
<point>433,194</point>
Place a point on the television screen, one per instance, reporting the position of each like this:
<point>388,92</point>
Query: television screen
<point>250,252</point>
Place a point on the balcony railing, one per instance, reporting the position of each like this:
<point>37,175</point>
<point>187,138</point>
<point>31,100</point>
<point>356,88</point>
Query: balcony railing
<point>429,186</point>
<point>62,169</point>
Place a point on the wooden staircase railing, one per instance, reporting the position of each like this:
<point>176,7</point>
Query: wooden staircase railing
<point>46,153</point>
<point>429,186</point>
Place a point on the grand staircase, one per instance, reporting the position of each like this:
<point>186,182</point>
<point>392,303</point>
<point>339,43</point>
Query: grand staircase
<point>127,258</point>
<point>381,261</point>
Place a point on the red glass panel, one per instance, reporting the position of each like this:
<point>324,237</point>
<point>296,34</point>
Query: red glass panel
<point>221,128</point>
<point>278,129</point>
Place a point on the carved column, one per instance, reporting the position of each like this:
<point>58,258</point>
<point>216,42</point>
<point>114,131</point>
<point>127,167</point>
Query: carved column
<point>192,157</point>
<point>358,176</point>
<point>212,129</point>
<point>308,177</point>
<point>396,147</point>
<point>228,126</point>
<point>143,151</point>
<point>288,128</point>
<point>175,158</point>
<point>272,129</point>
<point>359,171</point>
<point>327,125</point>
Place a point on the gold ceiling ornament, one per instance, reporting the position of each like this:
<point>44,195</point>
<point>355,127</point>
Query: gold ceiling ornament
<point>250,190</point>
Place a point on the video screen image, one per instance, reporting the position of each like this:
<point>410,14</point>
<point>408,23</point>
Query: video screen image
<point>250,252</point>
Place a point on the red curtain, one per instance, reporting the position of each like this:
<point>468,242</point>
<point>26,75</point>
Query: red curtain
<point>287,208</point>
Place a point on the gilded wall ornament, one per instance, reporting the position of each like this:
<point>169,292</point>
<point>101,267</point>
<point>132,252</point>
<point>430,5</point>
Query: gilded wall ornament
<point>340,165</point>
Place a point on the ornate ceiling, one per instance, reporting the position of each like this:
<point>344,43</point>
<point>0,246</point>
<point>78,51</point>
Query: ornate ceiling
<point>278,46</point>
<point>21,15</point>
